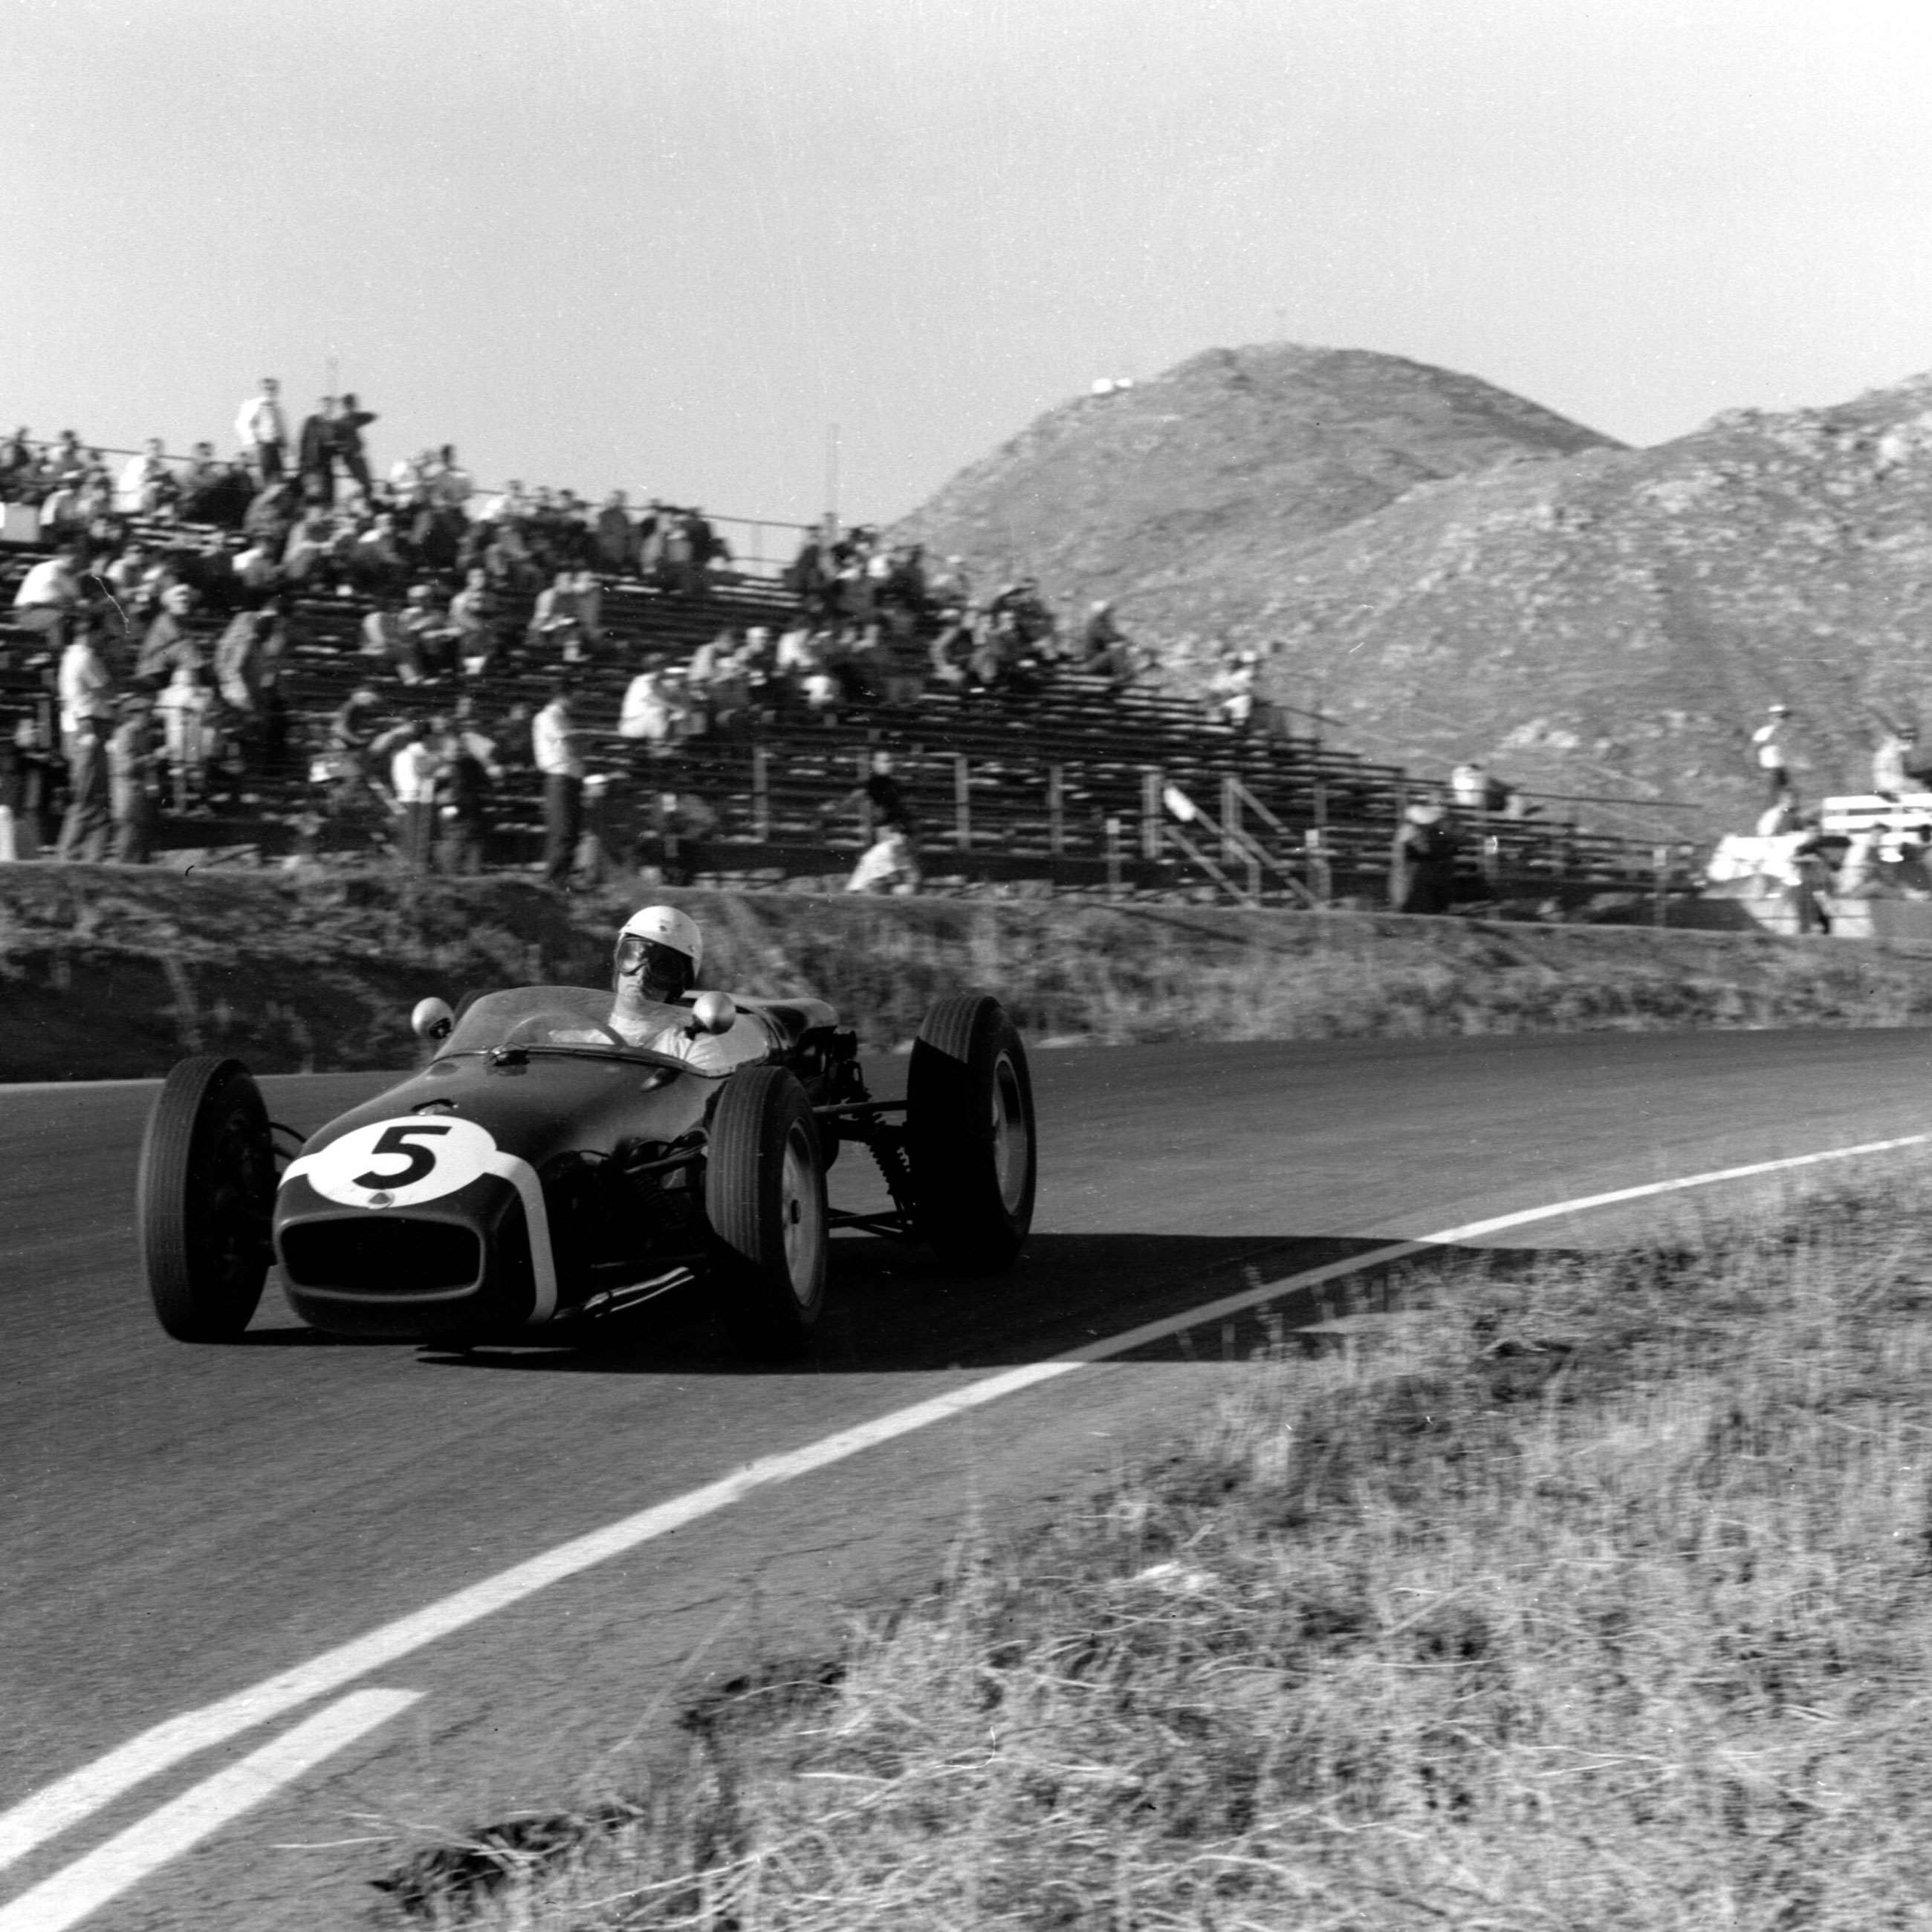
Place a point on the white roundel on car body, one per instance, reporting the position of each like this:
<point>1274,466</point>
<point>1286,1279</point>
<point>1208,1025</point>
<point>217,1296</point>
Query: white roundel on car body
<point>400,1163</point>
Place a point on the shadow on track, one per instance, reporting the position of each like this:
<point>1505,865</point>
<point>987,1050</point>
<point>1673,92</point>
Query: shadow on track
<point>890,1312</point>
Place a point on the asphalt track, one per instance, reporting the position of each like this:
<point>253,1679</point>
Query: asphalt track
<point>178,1525</point>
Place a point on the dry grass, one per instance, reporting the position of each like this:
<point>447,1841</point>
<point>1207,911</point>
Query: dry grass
<point>1591,1596</point>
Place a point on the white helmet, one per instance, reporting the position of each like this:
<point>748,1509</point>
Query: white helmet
<point>665,926</point>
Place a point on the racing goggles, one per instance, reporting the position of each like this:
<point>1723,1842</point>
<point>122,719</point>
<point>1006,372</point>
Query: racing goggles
<point>661,964</point>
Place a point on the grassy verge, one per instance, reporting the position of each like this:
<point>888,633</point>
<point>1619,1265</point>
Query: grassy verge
<point>1591,1595</point>
<point>105,971</point>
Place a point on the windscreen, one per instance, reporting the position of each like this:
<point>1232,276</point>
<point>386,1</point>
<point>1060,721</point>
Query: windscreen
<point>536,1016</point>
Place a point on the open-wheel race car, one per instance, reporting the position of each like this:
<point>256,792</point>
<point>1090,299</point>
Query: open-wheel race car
<point>540,1172</point>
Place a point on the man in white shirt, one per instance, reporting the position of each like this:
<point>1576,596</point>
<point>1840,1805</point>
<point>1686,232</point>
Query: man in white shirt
<point>262,429</point>
<point>86,689</point>
<point>554,746</point>
<point>49,591</point>
<point>414,769</point>
<point>1769,742</point>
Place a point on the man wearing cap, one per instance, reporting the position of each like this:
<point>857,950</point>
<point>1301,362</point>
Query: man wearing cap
<point>659,953</point>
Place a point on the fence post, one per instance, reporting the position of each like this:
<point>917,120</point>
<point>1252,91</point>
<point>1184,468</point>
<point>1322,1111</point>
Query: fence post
<point>1660,861</point>
<point>1056,810</point>
<point>867,830</point>
<point>962,802</point>
<point>1113,856</point>
<point>1231,821</point>
<point>1151,807</point>
<point>761,794</point>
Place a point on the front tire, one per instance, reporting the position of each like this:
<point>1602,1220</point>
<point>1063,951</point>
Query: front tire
<point>970,1135</point>
<point>204,1199</point>
<point>764,1194</point>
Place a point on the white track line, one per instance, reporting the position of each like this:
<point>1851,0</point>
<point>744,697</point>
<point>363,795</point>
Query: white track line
<point>57,1806</point>
<point>82,1887</point>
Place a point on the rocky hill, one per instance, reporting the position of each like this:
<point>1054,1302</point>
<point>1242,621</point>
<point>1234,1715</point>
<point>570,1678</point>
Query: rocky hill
<point>1581,616</point>
<point>1275,445</point>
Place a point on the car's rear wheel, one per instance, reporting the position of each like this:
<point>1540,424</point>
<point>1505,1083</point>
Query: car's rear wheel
<point>764,1194</point>
<point>204,1199</point>
<point>970,1135</point>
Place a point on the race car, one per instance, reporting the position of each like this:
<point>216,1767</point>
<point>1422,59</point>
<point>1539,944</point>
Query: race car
<point>539,1173</point>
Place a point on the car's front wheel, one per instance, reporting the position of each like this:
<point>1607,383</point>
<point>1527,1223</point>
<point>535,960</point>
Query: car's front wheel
<point>764,1194</point>
<point>204,1199</point>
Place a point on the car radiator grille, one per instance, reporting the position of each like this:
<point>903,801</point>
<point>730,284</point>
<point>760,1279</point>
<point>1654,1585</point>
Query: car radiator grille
<point>368,1255</point>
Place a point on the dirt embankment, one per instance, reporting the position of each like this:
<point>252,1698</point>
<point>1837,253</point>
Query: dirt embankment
<point>105,972</point>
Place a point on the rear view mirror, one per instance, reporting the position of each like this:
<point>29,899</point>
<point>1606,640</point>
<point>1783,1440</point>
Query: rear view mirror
<point>714,1012</point>
<point>431,1019</point>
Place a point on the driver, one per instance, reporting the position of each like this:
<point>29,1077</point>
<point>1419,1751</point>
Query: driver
<point>658,953</point>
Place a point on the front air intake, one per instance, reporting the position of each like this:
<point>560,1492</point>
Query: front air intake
<point>379,1254</point>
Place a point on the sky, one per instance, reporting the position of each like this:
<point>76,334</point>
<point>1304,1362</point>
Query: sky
<point>774,255</point>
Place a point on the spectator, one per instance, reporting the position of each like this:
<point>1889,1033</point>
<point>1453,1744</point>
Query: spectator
<point>645,713</point>
<point>881,802</point>
<point>614,538</point>
<point>1769,740</point>
<point>469,772</point>
<point>473,621</point>
<point>316,448</point>
<point>84,830</point>
<point>130,761</point>
<point>677,820</point>
<point>148,487</point>
<point>20,467</point>
<point>1234,688</point>
<point>49,594</point>
<point>262,429</point>
<point>26,788</point>
<point>187,708</point>
<point>1105,649</point>
<point>556,629</point>
<point>1422,863</point>
<point>168,645</point>
<point>86,687</point>
<point>213,492</point>
<point>385,638</point>
<point>553,746</point>
<point>1469,787</point>
<point>1890,778</point>
<point>888,866</point>
<point>431,638</point>
<point>352,731</point>
<point>416,765</point>
<point>243,660</point>
<point>451,486</point>
<point>64,511</point>
<point>351,420</point>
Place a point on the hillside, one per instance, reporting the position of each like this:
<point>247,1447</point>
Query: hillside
<point>1277,444</point>
<point>1603,620</point>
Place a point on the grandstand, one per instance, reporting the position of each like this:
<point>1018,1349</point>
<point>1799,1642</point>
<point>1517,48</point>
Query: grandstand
<point>1073,786</point>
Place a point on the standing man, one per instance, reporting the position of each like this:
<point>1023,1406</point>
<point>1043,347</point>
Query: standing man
<point>130,757</point>
<point>554,744</point>
<point>84,830</point>
<point>1770,740</point>
<point>414,769</point>
<point>315,450</point>
<point>262,431</point>
<point>351,420</point>
<point>86,687</point>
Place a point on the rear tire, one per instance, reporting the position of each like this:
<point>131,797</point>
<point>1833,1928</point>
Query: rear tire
<point>204,1200</point>
<point>970,1135</point>
<point>764,1194</point>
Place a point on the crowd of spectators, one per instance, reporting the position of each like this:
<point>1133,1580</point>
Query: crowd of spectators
<point>177,589</point>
